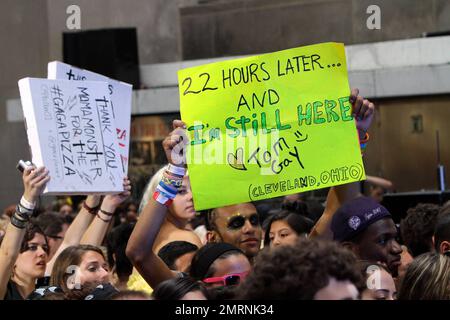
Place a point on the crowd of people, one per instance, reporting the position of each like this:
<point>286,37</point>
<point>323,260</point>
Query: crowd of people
<point>349,248</point>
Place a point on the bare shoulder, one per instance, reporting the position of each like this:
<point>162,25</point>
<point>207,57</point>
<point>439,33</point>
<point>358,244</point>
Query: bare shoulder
<point>176,235</point>
<point>187,235</point>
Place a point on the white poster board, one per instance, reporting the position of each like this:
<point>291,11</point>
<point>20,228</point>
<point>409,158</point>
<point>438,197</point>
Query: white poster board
<point>71,131</point>
<point>120,99</point>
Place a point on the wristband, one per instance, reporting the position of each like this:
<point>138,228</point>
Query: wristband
<point>170,180</point>
<point>107,213</point>
<point>92,210</point>
<point>363,143</point>
<point>365,139</point>
<point>104,220</point>
<point>169,190</point>
<point>26,204</point>
<point>363,146</point>
<point>21,216</point>
<point>20,224</point>
<point>24,212</point>
<point>179,171</point>
<point>162,198</point>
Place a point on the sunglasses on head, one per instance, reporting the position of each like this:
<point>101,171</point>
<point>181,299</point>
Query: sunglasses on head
<point>232,279</point>
<point>238,221</point>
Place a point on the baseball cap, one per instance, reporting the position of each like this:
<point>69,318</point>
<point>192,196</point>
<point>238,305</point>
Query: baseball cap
<point>356,216</point>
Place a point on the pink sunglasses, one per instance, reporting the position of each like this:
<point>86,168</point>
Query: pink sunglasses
<point>232,279</point>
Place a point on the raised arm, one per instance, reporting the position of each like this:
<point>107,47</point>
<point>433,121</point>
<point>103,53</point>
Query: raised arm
<point>363,111</point>
<point>77,228</point>
<point>96,232</point>
<point>380,182</point>
<point>139,248</point>
<point>34,181</point>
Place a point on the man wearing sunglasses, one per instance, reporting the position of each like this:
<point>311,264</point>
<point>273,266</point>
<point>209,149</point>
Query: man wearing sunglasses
<point>237,225</point>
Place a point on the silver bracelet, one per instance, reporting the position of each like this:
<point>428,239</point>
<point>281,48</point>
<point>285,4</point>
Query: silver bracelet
<point>24,212</point>
<point>16,222</point>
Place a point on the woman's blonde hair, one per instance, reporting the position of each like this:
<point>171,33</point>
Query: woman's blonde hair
<point>151,187</point>
<point>427,278</point>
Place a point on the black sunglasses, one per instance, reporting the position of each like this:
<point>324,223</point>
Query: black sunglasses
<point>237,222</point>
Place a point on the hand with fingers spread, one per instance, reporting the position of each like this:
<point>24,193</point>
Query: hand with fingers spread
<point>363,111</point>
<point>34,182</point>
<point>175,144</point>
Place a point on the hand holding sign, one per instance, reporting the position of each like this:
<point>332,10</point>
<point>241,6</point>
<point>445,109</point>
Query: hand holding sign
<point>34,182</point>
<point>272,125</point>
<point>112,201</point>
<point>363,111</point>
<point>71,131</point>
<point>175,144</point>
<point>120,99</point>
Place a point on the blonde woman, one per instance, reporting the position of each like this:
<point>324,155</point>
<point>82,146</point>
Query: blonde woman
<point>427,278</point>
<point>179,214</point>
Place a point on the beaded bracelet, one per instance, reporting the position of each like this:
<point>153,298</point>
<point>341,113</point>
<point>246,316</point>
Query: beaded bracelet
<point>170,180</point>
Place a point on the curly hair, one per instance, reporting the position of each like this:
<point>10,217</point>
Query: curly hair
<point>417,228</point>
<point>298,272</point>
<point>441,231</point>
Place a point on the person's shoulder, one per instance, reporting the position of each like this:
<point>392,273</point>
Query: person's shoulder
<point>184,235</point>
<point>12,293</point>
<point>192,237</point>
